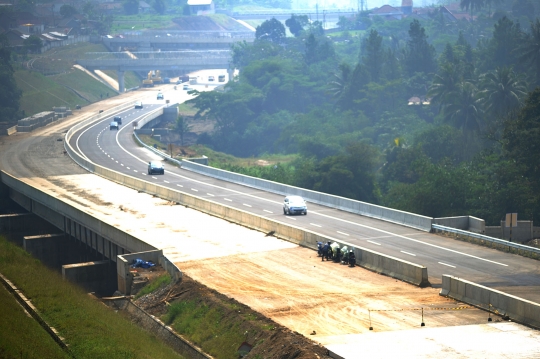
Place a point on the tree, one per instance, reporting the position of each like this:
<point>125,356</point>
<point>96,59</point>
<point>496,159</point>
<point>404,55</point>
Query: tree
<point>131,7</point>
<point>463,109</point>
<point>10,95</point>
<point>270,30</point>
<point>159,6</point>
<point>530,50</point>
<point>503,90</point>
<point>444,85</point>
<point>419,55</point>
<point>67,11</point>
<point>182,127</point>
<point>472,5</point>
<point>33,43</point>
<point>340,80</point>
<point>296,24</point>
<point>521,138</point>
<point>523,8</point>
<point>373,54</point>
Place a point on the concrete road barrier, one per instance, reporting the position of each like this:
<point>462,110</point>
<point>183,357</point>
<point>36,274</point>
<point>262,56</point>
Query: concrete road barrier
<point>516,308</point>
<point>365,209</point>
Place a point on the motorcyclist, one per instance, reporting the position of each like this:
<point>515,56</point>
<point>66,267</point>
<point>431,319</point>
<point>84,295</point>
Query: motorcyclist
<point>352,258</point>
<point>319,249</point>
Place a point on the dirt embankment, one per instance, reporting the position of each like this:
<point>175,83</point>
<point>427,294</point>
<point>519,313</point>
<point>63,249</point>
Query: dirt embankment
<point>279,342</point>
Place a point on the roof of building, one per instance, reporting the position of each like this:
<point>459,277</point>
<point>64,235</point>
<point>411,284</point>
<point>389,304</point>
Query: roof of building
<point>383,10</point>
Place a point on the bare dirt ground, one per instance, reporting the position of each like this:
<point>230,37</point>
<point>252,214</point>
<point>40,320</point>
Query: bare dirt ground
<point>297,290</point>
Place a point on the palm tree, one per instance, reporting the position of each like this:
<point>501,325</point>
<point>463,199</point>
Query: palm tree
<point>503,91</point>
<point>530,51</point>
<point>444,85</point>
<point>337,86</point>
<point>463,109</point>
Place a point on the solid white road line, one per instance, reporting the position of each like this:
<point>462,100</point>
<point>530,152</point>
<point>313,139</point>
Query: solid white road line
<point>414,255</point>
<point>375,243</point>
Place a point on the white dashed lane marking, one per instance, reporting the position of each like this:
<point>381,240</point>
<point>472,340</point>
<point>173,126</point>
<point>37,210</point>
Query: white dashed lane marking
<point>375,243</point>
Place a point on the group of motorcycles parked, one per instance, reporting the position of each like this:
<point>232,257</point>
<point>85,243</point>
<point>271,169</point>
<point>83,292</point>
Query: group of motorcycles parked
<point>342,255</point>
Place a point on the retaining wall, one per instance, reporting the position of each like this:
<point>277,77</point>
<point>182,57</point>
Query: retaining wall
<point>524,231</point>
<point>365,209</point>
<point>467,223</point>
<point>518,309</point>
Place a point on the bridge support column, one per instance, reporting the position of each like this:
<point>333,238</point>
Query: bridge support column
<point>121,86</point>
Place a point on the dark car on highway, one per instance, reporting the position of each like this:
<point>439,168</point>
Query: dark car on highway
<point>156,167</point>
<point>113,125</point>
<point>118,120</point>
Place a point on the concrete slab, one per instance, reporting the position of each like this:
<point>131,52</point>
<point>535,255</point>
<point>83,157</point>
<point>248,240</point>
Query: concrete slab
<point>494,340</point>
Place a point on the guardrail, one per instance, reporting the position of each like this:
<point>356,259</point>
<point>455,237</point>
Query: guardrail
<point>494,241</point>
<point>345,204</point>
<point>391,266</point>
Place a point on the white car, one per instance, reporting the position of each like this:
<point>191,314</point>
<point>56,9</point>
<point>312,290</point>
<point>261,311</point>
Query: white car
<point>160,96</point>
<point>294,205</point>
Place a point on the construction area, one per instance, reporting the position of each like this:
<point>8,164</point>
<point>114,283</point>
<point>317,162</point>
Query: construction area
<point>319,307</point>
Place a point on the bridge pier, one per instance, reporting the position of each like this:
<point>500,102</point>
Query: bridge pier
<point>121,86</point>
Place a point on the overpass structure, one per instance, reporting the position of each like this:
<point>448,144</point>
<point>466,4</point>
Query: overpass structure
<point>183,61</point>
<point>174,41</point>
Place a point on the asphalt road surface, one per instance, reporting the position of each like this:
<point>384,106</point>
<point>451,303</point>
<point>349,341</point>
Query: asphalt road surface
<point>510,273</point>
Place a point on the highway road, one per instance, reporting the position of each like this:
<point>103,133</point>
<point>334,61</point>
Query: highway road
<point>507,272</point>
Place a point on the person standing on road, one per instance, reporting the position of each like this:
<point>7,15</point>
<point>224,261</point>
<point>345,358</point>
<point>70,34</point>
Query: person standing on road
<point>352,259</point>
<point>325,251</point>
<point>329,252</point>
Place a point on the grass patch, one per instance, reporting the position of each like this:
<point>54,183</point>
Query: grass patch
<point>185,109</point>
<point>61,59</point>
<point>91,329</point>
<point>141,21</point>
<point>22,336</point>
<point>130,78</point>
<point>205,327</point>
<point>41,93</point>
<point>159,282</point>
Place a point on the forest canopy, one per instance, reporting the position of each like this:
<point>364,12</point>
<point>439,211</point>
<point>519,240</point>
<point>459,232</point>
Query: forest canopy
<point>431,115</point>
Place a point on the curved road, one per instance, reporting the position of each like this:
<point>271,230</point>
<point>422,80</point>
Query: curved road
<point>507,272</point>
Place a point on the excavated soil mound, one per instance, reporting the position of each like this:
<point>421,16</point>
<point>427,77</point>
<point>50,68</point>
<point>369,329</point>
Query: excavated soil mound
<point>279,342</point>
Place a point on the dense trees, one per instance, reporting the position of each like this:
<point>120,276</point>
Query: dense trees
<point>10,95</point>
<point>466,143</point>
